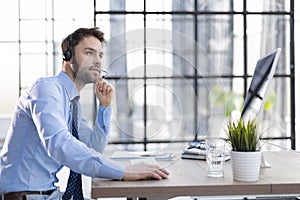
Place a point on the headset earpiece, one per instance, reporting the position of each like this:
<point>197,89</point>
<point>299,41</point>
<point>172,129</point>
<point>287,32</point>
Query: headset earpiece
<point>67,54</point>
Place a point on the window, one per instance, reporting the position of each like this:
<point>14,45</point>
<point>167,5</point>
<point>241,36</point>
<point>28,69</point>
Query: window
<point>180,67</point>
<point>30,46</point>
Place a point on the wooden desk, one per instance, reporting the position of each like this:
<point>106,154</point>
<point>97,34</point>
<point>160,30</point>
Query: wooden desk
<point>188,178</point>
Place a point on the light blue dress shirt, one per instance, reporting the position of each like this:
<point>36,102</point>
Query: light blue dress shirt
<point>38,143</point>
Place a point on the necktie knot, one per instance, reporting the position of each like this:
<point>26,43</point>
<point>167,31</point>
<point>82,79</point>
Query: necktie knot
<point>74,103</point>
<point>75,99</point>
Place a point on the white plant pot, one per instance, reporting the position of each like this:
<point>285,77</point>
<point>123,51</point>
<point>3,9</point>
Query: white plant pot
<point>245,165</point>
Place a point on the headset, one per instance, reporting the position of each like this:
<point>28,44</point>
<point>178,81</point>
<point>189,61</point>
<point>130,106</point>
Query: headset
<point>67,54</point>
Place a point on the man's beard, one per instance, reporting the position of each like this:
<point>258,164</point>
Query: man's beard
<point>80,76</point>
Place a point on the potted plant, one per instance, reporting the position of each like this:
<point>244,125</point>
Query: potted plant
<point>245,153</point>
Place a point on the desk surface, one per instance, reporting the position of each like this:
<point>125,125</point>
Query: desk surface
<point>188,178</point>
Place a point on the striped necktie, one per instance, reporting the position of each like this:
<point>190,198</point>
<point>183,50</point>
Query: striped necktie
<point>74,186</point>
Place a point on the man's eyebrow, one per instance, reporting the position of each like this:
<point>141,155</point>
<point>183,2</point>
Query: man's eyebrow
<point>94,50</point>
<point>90,48</point>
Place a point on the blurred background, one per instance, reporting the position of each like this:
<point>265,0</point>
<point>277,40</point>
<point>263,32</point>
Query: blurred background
<point>179,67</point>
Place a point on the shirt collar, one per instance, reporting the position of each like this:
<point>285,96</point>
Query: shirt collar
<point>69,85</point>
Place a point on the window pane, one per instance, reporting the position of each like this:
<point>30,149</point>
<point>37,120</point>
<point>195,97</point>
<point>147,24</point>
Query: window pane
<point>159,53</point>
<point>266,33</point>
<point>210,112</point>
<point>74,10</point>
<point>9,31</point>
<point>184,44</point>
<point>103,5</point>
<point>268,5</point>
<point>158,5</point>
<point>217,5</point>
<point>236,89</point>
<point>227,95</point>
<point>215,37</point>
<point>163,121</point>
<point>170,109</point>
<point>28,30</point>
<point>26,11</point>
<point>33,67</point>
<point>32,47</point>
<point>186,5</point>
<point>9,21</point>
<point>128,116</point>
<point>135,63</point>
<point>113,5</point>
<point>159,21</point>
<point>69,26</point>
<point>9,77</point>
<point>159,64</point>
<point>238,46</point>
<point>124,54</point>
<point>103,22</point>
<point>134,22</point>
<point>134,5</point>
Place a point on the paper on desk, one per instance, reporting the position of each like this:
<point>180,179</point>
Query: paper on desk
<point>151,161</point>
<point>125,155</point>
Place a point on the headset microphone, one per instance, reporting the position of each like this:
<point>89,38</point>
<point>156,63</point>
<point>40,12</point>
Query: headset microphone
<point>103,73</point>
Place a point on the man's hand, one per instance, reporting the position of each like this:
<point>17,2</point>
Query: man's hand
<point>104,92</point>
<point>143,171</point>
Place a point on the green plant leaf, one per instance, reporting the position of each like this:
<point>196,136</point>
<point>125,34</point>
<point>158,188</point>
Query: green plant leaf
<point>243,136</point>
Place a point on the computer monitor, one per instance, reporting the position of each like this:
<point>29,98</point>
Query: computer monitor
<point>257,92</point>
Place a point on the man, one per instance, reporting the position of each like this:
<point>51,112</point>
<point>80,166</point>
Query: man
<point>41,140</point>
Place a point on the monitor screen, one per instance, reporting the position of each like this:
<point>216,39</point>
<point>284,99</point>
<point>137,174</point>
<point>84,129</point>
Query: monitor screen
<point>257,92</point>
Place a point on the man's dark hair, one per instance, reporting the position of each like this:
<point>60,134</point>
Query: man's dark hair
<point>72,40</point>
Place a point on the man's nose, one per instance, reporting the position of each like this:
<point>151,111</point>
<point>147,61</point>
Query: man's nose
<point>98,61</point>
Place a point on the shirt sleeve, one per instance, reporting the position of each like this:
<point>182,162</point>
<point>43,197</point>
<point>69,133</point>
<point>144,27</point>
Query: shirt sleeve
<point>104,117</point>
<point>50,113</point>
<point>97,138</point>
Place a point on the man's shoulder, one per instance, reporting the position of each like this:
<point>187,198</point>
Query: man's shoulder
<point>51,80</point>
<point>49,84</point>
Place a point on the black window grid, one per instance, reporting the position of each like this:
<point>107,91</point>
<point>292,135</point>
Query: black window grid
<point>245,77</point>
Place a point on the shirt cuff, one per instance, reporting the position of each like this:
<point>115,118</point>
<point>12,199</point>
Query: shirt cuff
<point>111,169</point>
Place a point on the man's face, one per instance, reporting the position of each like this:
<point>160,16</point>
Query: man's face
<point>86,64</point>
